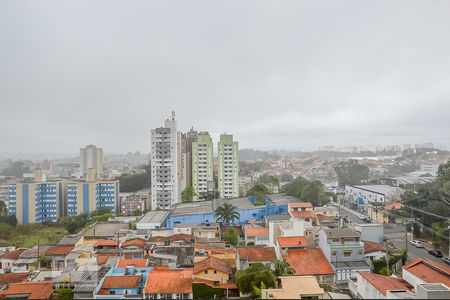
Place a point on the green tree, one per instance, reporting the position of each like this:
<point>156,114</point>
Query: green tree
<point>255,275</point>
<point>351,172</point>
<point>231,237</point>
<point>281,268</point>
<point>188,194</point>
<point>16,170</point>
<point>226,213</point>
<point>134,182</point>
<point>271,181</point>
<point>308,191</point>
<point>259,191</point>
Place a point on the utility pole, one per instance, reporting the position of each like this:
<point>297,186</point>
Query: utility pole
<point>387,259</point>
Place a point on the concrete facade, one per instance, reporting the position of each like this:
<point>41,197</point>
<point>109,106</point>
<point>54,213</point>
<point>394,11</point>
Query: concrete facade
<point>202,164</point>
<point>227,151</point>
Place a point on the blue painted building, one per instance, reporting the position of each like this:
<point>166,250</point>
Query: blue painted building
<point>36,202</point>
<point>203,211</point>
<point>86,196</point>
<point>123,283</point>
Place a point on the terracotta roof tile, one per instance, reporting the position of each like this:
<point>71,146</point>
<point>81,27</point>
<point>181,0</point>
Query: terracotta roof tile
<point>35,290</point>
<point>138,263</point>
<point>59,250</point>
<point>103,243</point>
<point>256,231</point>
<point>300,205</point>
<point>292,241</point>
<point>133,242</point>
<point>429,271</point>
<point>213,263</point>
<point>103,257</point>
<point>180,237</point>
<point>307,214</point>
<point>13,255</point>
<point>13,277</point>
<point>257,253</point>
<point>370,247</point>
<point>214,249</point>
<point>385,283</point>
<point>178,281</point>
<point>309,262</point>
<point>121,282</point>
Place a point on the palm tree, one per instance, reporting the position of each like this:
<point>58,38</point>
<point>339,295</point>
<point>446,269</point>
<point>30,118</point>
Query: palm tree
<point>281,268</point>
<point>226,213</point>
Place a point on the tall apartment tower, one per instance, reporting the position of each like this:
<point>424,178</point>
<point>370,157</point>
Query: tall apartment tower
<point>186,157</point>
<point>165,165</point>
<point>202,164</point>
<point>91,158</point>
<point>227,152</point>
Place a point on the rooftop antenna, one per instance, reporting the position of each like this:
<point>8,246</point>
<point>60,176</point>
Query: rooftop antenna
<point>173,115</point>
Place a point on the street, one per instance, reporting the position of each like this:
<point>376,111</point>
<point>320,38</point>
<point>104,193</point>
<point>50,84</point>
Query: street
<point>394,233</point>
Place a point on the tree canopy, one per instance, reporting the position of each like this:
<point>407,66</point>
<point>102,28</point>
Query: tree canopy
<point>351,172</point>
<point>256,275</point>
<point>188,194</point>
<point>134,182</point>
<point>308,191</point>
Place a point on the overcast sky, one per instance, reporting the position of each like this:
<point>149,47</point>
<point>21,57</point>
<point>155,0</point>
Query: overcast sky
<point>276,74</point>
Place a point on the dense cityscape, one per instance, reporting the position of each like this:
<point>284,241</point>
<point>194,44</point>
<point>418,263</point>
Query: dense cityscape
<point>224,149</point>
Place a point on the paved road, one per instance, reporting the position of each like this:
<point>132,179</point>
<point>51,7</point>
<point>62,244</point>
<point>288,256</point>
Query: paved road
<point>395,234</point>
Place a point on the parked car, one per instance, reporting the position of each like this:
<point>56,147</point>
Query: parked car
<point>446,260</point>
<point>361,217</point>
<point>334,204</point>
<point>435,253</point>
<point>368,220</point>
<point>416,243</point>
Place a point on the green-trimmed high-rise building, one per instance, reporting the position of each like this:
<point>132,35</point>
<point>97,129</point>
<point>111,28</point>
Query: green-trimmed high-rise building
<point>202,164</point>
<point>227,154</point>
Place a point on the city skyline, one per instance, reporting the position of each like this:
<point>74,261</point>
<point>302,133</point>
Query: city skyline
<point>290,76</point>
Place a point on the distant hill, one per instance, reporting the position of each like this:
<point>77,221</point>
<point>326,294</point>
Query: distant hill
<point>251,154</point>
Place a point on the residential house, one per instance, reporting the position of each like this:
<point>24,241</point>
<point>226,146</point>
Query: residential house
<point>286,243</point>
<point>300,206</point>
<point>329,211</point>
<point>250,255</point>
<point>106,245</point>
<point>344,250</point>
<point>257,236</point>
<point>184,228</point>
<point>295,287</point>
<point>213,269</point>
<point>373,250</point>
<point>375,286</point>
<point>7,259</point>
<point>164,283</point>
<point>58,254</point>
<point>133,248</point>
<point>132,263</point>
<point>28,260</point>
<point>305,215</point>
<point>202,252</point>
<point>7,279</point>
<point>29,290</point>
<point>311,262</point>
<point>127,280</point>
<point>422,270</point>
<point>207,233</point>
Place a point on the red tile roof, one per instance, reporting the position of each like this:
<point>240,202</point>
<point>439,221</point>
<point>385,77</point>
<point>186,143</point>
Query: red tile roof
<point>370,247</point>
<point>257,253</point>
<point>103,243</point>
<point>212,263</point>
<point>395,205</point>
<point>307,214</point>
<point>57,250</point>
<point>309,262</point>
<point>138,263</point>
<point>13,255</point>
<point>13,277</point>
<point>429,271</point>
<point>256,231</point>
<point>134,242</point>
<point>292,241</point>
<point>301,205</point>
<point>34,290</point>
<point>180,237</point>
<point>169,282</point>
<point>121,282</point>
<point>102,258</point>
<point>385,283</point>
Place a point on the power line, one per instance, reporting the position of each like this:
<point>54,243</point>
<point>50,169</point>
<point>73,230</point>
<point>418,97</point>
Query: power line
<point>425,212</point>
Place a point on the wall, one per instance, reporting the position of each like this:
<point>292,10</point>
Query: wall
<point>219,276</point>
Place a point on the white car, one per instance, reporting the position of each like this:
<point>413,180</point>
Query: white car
<point>416,243</point>
<point>361,217</point>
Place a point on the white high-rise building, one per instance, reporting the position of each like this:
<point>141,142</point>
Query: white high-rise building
<point>91,157</point>
<point>165,165</point>
<point>227,151</point>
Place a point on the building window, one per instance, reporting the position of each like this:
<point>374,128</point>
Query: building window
<point>360,252</point>
<point>334,253</point>
<point>347,253</point>
<point>206,271</point>
<point>215,272</point>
